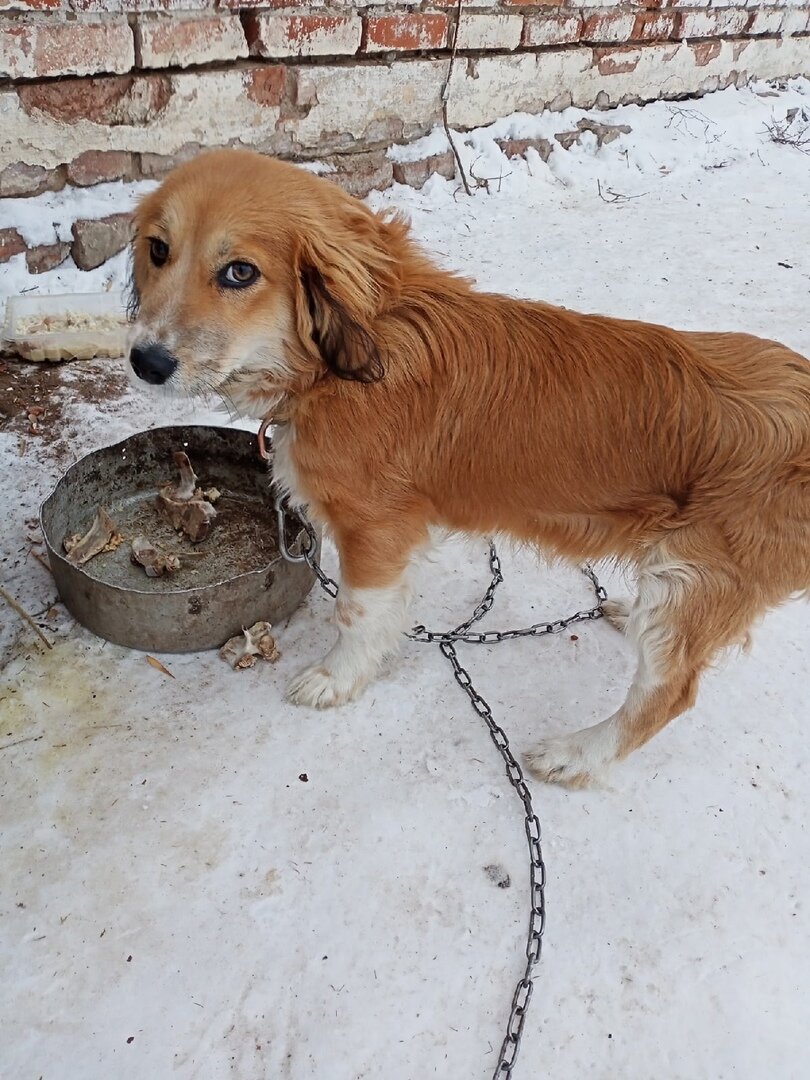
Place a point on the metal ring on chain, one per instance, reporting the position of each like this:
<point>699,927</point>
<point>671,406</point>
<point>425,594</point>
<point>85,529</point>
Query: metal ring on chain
<point>447,645</point>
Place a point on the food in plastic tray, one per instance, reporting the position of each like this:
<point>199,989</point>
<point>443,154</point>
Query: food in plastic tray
<point>69,327</point>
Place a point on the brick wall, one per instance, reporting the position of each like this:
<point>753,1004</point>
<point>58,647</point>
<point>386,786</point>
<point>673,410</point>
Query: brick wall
<point>93,90</point>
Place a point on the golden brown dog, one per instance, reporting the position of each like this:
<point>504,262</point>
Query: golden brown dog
<point>408,400</point>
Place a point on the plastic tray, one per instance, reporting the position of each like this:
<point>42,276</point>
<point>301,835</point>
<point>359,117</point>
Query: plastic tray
<point>59,341</point>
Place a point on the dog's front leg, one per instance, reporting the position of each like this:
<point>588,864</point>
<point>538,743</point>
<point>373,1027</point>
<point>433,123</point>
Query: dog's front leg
<point>371,614</point>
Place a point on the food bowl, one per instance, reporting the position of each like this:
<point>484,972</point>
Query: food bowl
<point>230,580</point>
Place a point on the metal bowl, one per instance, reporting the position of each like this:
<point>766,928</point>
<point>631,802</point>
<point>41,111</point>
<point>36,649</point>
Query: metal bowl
<point>239,579</point>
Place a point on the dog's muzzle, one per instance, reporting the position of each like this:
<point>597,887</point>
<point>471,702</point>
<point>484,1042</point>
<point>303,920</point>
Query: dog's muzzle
<point>152,363</point>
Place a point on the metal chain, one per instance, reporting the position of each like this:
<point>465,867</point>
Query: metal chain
<point>446,641</point>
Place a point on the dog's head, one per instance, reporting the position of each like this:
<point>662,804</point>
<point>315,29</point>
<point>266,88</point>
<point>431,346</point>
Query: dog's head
<point>253,278</point>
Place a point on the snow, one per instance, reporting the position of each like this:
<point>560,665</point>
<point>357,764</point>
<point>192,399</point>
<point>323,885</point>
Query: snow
<point>168,878</point>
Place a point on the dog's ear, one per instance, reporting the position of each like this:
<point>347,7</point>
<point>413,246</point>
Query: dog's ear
<point>346,274</point>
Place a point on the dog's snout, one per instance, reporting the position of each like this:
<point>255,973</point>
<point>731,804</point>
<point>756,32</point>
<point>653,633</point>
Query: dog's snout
<point>152,363</point>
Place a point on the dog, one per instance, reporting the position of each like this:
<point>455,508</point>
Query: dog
<point>406,401</point>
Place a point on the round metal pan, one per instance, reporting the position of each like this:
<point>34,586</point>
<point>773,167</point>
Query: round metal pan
<point>240,576</point>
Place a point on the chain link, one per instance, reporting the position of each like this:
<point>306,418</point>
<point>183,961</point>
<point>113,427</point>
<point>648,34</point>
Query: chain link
<point>446,640</point>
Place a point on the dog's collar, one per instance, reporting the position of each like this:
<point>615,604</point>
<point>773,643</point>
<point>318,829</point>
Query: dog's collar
<point>274,420</point>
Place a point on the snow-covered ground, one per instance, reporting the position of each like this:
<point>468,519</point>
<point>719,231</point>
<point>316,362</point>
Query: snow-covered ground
<point>176,902</point>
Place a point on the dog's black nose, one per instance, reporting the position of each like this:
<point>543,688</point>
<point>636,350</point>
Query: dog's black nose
<point>152,363</point>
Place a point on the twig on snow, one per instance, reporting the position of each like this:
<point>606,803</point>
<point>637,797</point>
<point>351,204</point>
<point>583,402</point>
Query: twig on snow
<point>786,134</point>
<point>20,610</point>
<point>682,119</point>
<point>485,181</point>
<point>611,196</point>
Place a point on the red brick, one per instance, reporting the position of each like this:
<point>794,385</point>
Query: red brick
<point>405,33</point>
<point>98,166</point>
<point>34,47</point>
<point>552,29</point>
<point>11,244</point>
<point>267,85</point>
<point>110,101</point>
<point>183,40</point>
<point>653,26</point>
<point>45,257</point>
<point>530,3</point>
<point>303,35</point>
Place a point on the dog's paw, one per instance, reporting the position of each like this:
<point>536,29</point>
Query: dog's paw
<point>318,687</point>
<point>617,612</point>
<point>575,761</point>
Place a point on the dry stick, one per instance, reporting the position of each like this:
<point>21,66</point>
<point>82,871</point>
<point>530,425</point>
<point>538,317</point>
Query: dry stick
<point>15,606</point>
<point>41,559</point>
<point>446,95</point>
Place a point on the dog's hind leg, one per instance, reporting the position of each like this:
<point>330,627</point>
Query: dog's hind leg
<point>683,615</point>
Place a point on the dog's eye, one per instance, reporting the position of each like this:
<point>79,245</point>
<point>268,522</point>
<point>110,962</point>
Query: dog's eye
<point>158,251</point>
<point>237,275</point>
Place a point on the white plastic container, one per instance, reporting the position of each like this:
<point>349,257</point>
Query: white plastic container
<point>74,326</point>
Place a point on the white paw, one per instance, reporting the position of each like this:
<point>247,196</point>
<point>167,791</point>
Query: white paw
<point>317,686</point>
<point>575,761</point>
<point>616,612</point>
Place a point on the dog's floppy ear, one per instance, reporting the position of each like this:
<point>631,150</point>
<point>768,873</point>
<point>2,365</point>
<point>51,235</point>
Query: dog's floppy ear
<point>345,276</point>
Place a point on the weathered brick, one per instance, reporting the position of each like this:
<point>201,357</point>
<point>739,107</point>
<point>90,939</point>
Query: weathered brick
<point>96,241</point>
<point>11,244</point>
<point>303,35</point>
<point>123,100</point>
<point>488,32</point>
<point>766,21</point>
<point>358,174</point>
<point>45,257</point>
<point>249,4</point>
<point>405,33</point>
<point>416,173</point>
<point>156,166</point>
<point>170,40</point>
<point>653,26</point>
<point>608,26</point>
<point>722,22</point>
<point>518,147</point>
<point>33,47</point>
<point>796,21</point>
<point>21,179</point>
<point>266,85</point>
<point>347,105</point>
<point>616,61</point>
<point>552,29</point>
<point>98,166</point>
<point>532,3</point>
<point>495,86</point>
<point>30,5</point>
<point>706,51</point>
